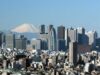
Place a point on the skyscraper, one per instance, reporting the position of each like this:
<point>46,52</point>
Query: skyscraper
<point>71,35</point>
<point>81,30</point>
<point>51,38</point>
<point>81,35</point>
<point>42,29</point>
<point>44,45</point>
<point>61,45</point>
<point>10,40</point>
<point>20,43</point>
<point>66,38</point>
<point>92,36</point>
<point>1,39</point>
<point>61,38</point>
<point>61,32</point>
<point>44,41</point>
<point>43,36</point>
<point>98,44</point>
<point>50,27</point>
<point>73,52</point>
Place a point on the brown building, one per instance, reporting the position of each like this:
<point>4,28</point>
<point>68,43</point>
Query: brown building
<point>84,48</point>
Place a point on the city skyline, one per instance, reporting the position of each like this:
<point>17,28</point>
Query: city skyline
<point>68,13</point>
<point>49,37</point>
<point>52,39</point>
<point>52,52</point>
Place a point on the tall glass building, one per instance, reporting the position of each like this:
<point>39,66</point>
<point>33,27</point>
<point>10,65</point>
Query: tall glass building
<point>61,38</point>
<point>52,38</point>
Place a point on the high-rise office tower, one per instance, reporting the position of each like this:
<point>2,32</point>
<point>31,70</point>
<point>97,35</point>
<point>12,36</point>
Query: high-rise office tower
<point>44,38</point>
<point>66,38</point>
<point>61,32</point>
<point>44,45</point>
<point>81,30</point>
<point>42,29</point>
<point>82,41</point>
<point>44,41</point>
<point>73,52</point>
<point>50,27</point>
<point>10,40</point>
<point>71,35</point>
<point>98,44</point>
<point>92,36</point>
<point>81,35</point>
<point>61,38</point>
<point>51,38</point>
<point>20,42</point>
<point>61,45</point>
<point>1,39</point>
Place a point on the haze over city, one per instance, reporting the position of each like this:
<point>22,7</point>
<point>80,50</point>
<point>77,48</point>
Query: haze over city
<point>67,12</point>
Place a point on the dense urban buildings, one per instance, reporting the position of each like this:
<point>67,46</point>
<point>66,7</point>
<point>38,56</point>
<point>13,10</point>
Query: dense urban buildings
<point>55,51</point>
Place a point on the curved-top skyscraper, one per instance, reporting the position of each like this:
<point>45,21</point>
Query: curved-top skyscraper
<point>51,38</point>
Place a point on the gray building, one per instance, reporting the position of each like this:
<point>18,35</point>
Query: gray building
<point>20,43</point>
<point>61,38</point>
<point>10,40</point>
<point>71,35</point>
<point>73,52</point>
<point>1,38</point>
<point>61,32</point>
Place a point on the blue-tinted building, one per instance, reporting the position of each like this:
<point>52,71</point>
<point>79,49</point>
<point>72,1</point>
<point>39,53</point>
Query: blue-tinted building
<point>61,38</point>
<point>52,38</point>
<point>61,45</point>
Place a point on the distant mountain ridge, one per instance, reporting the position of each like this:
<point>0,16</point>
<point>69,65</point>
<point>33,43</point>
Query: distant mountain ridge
<point>23,28</point>
<point>28,30</point>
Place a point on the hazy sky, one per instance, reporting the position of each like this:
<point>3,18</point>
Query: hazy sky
<point>74,13</point>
